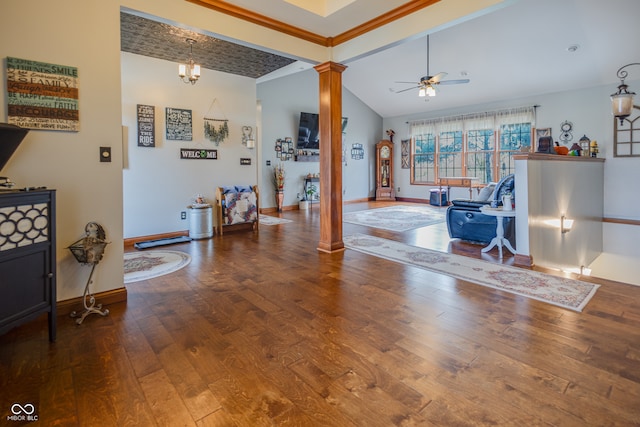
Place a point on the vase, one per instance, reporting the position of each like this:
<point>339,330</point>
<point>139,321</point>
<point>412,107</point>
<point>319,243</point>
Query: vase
<point>279,200</point>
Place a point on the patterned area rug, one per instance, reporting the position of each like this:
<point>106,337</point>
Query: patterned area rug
<point>146,265</point>
<point>397,218</point>
<point>563,292</point>
<point>270,220</point>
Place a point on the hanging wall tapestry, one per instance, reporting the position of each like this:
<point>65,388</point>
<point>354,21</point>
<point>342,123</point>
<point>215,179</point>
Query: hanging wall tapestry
<point>42,96</point>
<point>146,126</point>
<point>216,130</point>
<point>179,124</point>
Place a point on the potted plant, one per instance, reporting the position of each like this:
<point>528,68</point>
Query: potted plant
<point>310,191</point>
<point>308,197</point>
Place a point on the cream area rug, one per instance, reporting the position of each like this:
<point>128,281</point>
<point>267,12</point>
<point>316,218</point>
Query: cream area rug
<point>560,291</point>
<point>396,218</point>
<point>149,264</point>
<point>271,220</point>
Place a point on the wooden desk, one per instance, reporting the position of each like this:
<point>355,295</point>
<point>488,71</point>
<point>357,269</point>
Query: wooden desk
<point>459,181</point>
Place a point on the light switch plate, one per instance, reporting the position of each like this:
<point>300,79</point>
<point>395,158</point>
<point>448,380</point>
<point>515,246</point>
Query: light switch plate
<point>105,154</point>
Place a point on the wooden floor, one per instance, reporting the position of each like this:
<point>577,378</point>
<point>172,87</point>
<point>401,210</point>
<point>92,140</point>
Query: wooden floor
<point>261,329</point>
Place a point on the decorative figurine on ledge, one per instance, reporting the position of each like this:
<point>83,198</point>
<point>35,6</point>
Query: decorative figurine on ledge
<point>390,133</point>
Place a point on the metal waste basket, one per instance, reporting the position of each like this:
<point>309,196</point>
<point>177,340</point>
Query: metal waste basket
<point>200,221</point>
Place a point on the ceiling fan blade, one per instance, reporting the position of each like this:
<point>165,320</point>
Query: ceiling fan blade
<point>437,78</point>
<point>454,82</point>
<point>411,83</point>
<point>411,88</point>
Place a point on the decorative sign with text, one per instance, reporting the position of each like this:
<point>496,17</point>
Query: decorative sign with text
<point>146,126</point>
<point>357,152</point>
<point>179,125</point>
<point>198,154</point>
<point>42,96</point>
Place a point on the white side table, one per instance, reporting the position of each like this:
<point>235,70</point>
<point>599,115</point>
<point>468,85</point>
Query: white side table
<point>499,240</point>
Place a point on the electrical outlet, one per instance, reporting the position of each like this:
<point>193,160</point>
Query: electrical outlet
<point>183,215</point>
<point>398,189</point>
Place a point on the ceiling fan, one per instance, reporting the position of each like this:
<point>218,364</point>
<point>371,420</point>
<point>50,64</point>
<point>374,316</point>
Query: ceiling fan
<point>426,84</point>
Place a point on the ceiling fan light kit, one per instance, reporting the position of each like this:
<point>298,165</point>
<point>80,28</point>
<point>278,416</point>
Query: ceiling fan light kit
<point>426,84</point>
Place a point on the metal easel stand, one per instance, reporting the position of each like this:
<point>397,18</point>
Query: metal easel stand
<point>90,306</point>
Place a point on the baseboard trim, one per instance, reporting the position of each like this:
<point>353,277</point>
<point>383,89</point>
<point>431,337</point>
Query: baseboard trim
<point>365,199</point>
<point>133,240</point>
<point>105,298</point>
<point>412,200</point>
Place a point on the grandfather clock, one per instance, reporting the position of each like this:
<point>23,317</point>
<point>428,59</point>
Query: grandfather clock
<point>384,171</point>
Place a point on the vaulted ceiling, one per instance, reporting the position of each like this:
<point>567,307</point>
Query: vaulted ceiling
<point>525,48</point>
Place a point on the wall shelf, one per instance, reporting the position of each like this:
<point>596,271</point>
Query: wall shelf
<point>314,158</point>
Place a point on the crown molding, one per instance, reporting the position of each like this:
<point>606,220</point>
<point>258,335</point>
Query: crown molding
<point>264,21</point>
<point>384,19</point>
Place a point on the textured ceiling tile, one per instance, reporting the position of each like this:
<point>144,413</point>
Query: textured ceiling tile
<point>146,37</point>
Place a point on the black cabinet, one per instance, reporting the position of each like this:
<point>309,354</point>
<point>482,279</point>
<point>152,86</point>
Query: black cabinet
<point>27,258</point>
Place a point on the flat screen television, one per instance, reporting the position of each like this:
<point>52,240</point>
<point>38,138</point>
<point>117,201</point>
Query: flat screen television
<point>309,131</point>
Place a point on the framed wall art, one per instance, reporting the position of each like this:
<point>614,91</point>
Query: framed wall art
<point>284,149</point>
<point>146,125</point>
<point>179,124</point>
<point>42,96</point>
<point>357,152</point>
<point>404,153</point>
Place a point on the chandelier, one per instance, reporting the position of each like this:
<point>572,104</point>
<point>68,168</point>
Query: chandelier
<point>189,72</point>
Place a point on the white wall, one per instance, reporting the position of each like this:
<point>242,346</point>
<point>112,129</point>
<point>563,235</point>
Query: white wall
<point>83,35</point>
<point>282,101</point>
<point>158,185</point>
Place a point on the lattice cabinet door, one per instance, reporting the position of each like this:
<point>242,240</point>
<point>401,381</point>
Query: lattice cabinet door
<point>27,258</point>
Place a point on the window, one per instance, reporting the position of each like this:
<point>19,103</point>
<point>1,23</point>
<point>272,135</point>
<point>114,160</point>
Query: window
<point>512,138</point>
<point>626,135</point>
<point>424,165</point>
<point>478,145</point>
<point>481,146</point>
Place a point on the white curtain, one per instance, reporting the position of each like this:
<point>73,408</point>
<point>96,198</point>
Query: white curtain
<point>517,115</point>
<point>424,127</point>
<point>474,121</point>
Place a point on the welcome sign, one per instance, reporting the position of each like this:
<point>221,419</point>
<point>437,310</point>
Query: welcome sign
<point>42,96</point>
<point>198,154</point>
